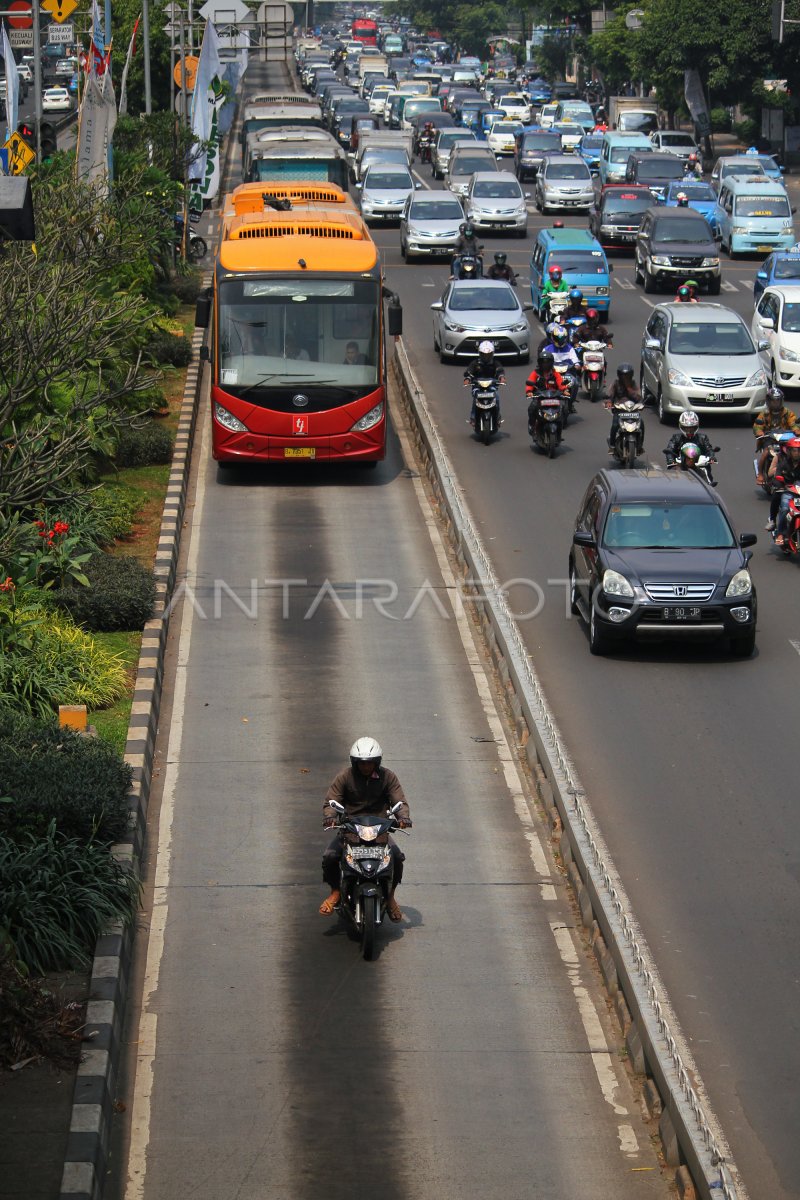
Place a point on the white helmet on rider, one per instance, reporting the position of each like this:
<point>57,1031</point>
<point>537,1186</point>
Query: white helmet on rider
<point>486,349</point>
<point>366,749</point>
<point>689,422</point>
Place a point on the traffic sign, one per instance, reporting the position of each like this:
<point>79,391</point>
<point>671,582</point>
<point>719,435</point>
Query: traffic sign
<point>23,20</point>
<point>61,35</point>
<point>60,9</point>
<point>21,39</point>
<point>20,154</point>
<point>192,63</point>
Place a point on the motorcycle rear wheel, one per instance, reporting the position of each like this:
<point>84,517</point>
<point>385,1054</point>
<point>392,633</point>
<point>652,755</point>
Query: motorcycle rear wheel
<point>368,927</point>
<point>197,248</point>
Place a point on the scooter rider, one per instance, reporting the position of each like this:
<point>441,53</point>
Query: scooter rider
<point>594,331</point>
<point>693,168</point>
<point>785,469</point>
<point>555,283</point>
<point>688,431</point>
<point>576,306</point>
<point>623,388</point>
<point>544,377</point>
<point>684,295</point>
<point>363,787</point>
<point>468,244</point>
<point>485,366</point>
<point>500,268</point>
<point>777,419</point>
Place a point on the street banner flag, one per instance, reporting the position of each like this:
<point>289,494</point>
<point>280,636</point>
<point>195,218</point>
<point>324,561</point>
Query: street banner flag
<point>123,87</point>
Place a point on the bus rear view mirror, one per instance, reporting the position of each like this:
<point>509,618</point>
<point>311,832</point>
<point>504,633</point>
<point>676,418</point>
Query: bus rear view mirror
<point>202,312</point>
<point>395,317</point>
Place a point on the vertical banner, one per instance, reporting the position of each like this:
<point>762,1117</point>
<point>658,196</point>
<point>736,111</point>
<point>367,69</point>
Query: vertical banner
<point>208,96</point>
<point>123,87</point>
<point>12,84</point>
<point>696,101</point>
<point>98,118</point>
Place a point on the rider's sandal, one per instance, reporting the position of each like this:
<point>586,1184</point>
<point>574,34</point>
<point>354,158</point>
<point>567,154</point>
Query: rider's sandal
<point>329,905</point>
<point>394,910</point>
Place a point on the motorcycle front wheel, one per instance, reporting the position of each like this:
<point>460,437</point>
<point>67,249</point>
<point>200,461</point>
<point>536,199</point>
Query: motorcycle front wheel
<point>370,921</point>
<point>197,248</point>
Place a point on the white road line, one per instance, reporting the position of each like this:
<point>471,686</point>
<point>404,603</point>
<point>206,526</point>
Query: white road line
<point>628,284</point>
<point>147,1035</point>
<point>727,286</point>
<point>652,303</point>
<point>795,645</point>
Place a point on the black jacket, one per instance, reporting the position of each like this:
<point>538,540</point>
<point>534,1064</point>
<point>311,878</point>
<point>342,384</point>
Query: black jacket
<point>680,439</point>
<point>478,369</point>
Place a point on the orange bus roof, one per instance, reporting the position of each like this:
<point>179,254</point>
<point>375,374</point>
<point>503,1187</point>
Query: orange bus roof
<point>249,197</point>
<point>325,237</point>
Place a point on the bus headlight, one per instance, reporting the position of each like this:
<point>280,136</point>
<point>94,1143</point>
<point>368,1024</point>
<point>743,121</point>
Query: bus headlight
<point>370,420</point>
<point>228,420</point>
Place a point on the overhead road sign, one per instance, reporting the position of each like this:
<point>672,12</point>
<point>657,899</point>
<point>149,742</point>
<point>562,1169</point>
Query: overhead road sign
<point>19,14</point>
<point>61,35</point>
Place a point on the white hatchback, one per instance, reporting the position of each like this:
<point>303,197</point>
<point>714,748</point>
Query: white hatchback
<point>777,322</point>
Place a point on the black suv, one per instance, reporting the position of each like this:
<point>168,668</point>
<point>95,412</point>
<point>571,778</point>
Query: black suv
<point>655,171</point>
<point>676,244</point>
<point>654,556</point>
<point>616,217</point>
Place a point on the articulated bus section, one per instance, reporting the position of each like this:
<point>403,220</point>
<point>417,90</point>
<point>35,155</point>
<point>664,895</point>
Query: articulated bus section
<point>297,329</point>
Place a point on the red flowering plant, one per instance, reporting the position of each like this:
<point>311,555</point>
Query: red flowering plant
<point>18,619</point>
<point>55,559</point>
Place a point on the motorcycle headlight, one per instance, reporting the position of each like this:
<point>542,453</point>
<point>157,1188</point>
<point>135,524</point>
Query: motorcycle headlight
<point>367,833</point>
<point>615,584</point>
<point>678,378</point>
<point>660,260</point>
<point>367,422</point>
<point>788,355</point>
<point>740,585</point>
<point>228,420</point>
<point>710,262</point>
<point>758,379</point>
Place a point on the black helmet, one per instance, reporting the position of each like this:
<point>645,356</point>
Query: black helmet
<point>500,258</point>
<point>462,227</point>
<point>545,361</point>
<point>775,398</point>
<point>624,371</point>
<point>469,230</point>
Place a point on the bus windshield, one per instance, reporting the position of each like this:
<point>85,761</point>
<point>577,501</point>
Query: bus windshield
<point>278,337</point>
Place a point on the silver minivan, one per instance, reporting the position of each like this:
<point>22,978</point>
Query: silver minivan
<point>563,181</point>
<point>464,162</point>
<point>443,144</point>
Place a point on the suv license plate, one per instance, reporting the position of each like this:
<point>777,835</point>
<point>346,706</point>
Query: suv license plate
<point>718,398</point>
<point>682,614</point>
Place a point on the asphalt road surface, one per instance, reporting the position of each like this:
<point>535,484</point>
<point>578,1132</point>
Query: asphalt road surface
<point>685,753</point>
<point>271,1062</point>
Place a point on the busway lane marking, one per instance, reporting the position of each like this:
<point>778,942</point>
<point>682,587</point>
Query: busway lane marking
<point>795,645</point>
<point>565,938</point>
<point>628,284</point>
<point>727,286</point>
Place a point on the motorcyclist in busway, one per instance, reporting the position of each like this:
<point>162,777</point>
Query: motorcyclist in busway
<point>684,295</point>
<point>485,366</point>
<point>623,388</point>
<point>688,431</point>
<point>500,268</point>
<point>363,787</point>
<point>593,330</point>
<point>693,168</point>
<point>467,243</point>
<point>785,469</point>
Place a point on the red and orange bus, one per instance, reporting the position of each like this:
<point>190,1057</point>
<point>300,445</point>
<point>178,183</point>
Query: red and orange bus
<point>297,329</point>
<point>364,30</point>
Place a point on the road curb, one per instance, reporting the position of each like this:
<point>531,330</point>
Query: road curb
<point>692,1140</point>
<point>95,1094</point>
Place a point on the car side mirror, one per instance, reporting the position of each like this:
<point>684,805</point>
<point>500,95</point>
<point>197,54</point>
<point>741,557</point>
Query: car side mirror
<point>763,344</point>
<point>652,343</point>
<point>438,306</point>
<point>527,307</point>
<point>766,322</point>
<point>794,210</point>
<point>610,268</point>
<point>762,275</point>
<point>747,539</point>
<point>581,538</point>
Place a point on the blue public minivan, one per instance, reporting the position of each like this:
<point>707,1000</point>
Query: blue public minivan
<point>615,151</point>
<point>753,215</point>
<point>583,264</point>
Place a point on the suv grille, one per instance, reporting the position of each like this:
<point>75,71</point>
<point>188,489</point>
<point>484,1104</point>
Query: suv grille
<point>683,261</point>
<point>696,593</point>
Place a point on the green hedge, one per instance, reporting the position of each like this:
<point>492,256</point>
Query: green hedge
<point>120,596</point>
<point>166,347</point>
<point>59,895</point>
<point>49,774</point>
<point>144,446</point>
<point>100,517</point>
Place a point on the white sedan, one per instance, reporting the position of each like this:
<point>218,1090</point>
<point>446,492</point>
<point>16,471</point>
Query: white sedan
<point>777,321</point>
<point>516,106</point>
<point>56,99</point>
<point>500,137</point>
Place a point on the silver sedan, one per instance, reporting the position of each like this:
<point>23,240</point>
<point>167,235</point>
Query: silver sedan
<point>472,311</point>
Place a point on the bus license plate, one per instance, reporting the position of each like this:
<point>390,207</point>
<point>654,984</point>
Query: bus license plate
<point>299,452</point>
<point>682,614</point>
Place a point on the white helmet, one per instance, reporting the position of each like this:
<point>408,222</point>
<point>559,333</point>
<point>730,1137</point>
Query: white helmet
<point>486,348</point>
<point>366,749</point>
<point>689,421</point>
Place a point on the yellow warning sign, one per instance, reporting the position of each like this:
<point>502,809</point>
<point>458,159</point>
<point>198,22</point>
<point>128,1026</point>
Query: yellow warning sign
<point>59,10</point>
<point>20,154</point>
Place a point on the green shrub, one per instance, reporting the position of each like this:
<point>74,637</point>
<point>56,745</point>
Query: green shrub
<point>171,348</point>
<point>49,774</point>
<point>720,120</point>
<point>59,895</point>
<point>120,595</point>
<point>186,286</point>
<point>746,131</point>
<point>144,446</point>
<point>101,516</point>
<point>62,665</point>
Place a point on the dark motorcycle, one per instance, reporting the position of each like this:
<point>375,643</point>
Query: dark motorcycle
<point>425,147</point>
<point>629,440</point>
<point>692,459</point>
<point>485,399</point>
<point>196,246</point>
<point>367,873</point>
<point>467,266</point>
<point>571,377</point>
<point>771,442</point>
<point>546,420</point>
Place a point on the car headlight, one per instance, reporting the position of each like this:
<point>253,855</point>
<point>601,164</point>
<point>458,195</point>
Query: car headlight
<point>453,328</point>
<point>758,379</point>
<point>615,584</point>
<point>740,585</point>
<point>372,418</point>
<point>788,355</point>
<point>660,260</point>
<point>228,420</point>
<point>710,262</point>
<point>788,227</point>
<point>739,229</point>
<point>521,328</point>
<point>678,378</point>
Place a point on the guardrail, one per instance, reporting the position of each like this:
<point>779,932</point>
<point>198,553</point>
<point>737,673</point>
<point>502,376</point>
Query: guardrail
<point>692,1140</point>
